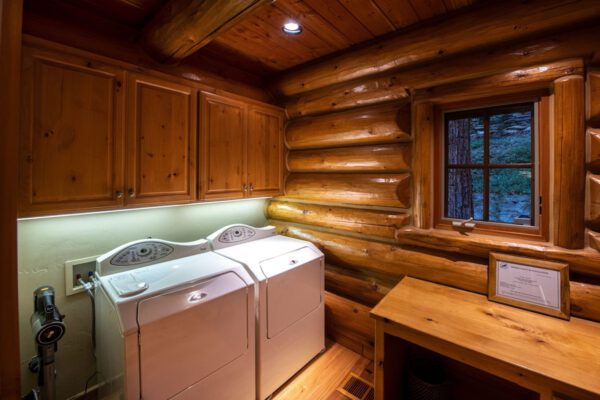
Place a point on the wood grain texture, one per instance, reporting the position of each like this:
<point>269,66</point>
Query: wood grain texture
<point>423,133</point>
<point>348,323</point>
<point>391,190</point>
<point>593,97</point>
<point>356,220</point>
<point>592,150</point>
<point>593,201</point>
<point>375,158</point>
<point>460,33</point>
<point>521,80</point>
<point>357,285</point>
<point>373,125</point>
<point>265,153</point>
<point>222,147</point>
<point>580,42</point>
<point>162,147</point>
<point>583,262</point>
<point>532,350</point>
<point>181,27</point>
<point>367,92</point>
<point>11,12</point>
<point>321,377</point>
<point>569,162</point>
<point>594,240</point>
<point>466,273</point>
<point>72,141</point>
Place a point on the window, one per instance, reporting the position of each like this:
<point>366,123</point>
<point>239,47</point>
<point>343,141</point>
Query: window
<point>490,168</point>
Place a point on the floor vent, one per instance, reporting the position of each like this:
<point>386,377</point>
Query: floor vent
<point>356,388</point>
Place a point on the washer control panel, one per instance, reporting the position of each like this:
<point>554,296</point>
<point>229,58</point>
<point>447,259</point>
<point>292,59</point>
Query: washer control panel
<point>141,253</point>
<point>239,233</point>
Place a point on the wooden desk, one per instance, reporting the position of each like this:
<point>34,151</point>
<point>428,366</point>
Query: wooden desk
<point>555,358</point>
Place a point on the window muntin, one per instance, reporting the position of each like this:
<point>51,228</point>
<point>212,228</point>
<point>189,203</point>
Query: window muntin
<point>490,165</point>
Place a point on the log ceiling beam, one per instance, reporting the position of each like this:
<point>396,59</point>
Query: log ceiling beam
<point>182,27</point>
<point>466,31</point>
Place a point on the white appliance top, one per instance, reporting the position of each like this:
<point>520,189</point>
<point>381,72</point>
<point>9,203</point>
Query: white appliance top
<point>232,235</point>
<point>162,274</point>
<point>256,247</point>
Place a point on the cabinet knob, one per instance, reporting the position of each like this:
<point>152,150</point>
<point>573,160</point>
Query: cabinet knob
<point>244,188</point>
<point>251,187</point>
<point>119,194</point>
<point>131,193</point>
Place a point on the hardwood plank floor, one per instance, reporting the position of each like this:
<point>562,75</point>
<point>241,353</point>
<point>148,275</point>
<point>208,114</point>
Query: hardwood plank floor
<point>321,377</point>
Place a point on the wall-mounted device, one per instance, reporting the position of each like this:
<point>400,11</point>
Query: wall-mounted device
<point>48,328</point>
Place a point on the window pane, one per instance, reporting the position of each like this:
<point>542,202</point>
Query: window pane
<point>510,195</point>
<point>465,141</point>
<point>510,138</point>
<point>464,189</point>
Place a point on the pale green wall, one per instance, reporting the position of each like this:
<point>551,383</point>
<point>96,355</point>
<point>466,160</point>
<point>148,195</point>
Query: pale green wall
<point>45,244</point>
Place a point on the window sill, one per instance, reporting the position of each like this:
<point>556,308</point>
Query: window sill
<point>502,231</point>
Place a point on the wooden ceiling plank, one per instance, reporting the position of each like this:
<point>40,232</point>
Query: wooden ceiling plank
<point>132,13</point>
<point>182,27</point>
<point>311,20</point>
<point>400,12</point>
<point>337,15</point>
<point>456,4</point>
<point>371,16</point>
<point>464,31</point>
<point>428,8</point>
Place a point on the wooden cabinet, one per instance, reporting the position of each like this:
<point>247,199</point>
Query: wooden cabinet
<point>241,148</point>
<point>265,151</point>
<point>161,141</point>
<point>72,134</point>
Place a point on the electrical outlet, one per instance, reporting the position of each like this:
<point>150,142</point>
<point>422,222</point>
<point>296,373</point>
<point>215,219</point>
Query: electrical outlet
<point>75,269</point>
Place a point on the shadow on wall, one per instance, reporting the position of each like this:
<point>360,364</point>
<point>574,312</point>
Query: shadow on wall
<point>45,244</point>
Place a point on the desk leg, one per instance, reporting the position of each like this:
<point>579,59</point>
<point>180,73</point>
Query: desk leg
<point>379,360</point>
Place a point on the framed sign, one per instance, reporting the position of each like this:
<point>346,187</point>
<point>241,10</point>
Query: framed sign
<point>536,285</point>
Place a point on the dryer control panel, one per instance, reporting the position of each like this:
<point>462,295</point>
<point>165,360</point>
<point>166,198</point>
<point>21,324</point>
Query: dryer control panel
<point>237,234</point>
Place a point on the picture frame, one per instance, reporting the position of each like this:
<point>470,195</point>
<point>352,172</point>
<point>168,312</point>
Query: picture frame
<point>536,285</point>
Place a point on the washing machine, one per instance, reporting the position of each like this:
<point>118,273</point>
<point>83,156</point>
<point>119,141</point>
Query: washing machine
<point>174,321</point>
<point>290,293</point>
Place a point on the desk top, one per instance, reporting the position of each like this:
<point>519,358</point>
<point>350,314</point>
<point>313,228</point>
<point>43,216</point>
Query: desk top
<point>563,354</point>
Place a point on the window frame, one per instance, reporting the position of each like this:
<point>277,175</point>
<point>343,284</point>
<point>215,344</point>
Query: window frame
<point>541,166</point>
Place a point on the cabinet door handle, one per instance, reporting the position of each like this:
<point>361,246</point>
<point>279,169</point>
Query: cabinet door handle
<point>119,194</point>
<point>244,188</point>
<point>251,187</point>
<point>131,193</point>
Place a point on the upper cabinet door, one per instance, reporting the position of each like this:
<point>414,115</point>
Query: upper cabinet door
<point>72,134</point>
<point>161,134</point>
<point>265,151</point>
<point>223,147</point>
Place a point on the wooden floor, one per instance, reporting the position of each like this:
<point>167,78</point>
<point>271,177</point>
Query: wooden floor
<point>320,379</point>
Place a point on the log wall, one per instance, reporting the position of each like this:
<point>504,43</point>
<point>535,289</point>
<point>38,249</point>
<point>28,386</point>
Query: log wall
<point>361,156</point>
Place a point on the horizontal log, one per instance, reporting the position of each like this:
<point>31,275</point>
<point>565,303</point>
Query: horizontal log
<point>356,285</point>
<point>349,323</point>
<point>584,262</point>
<point>182,27</point>
<point>391,190</point>
<point>594,240</point>
<point>593,150</point>
<point>539,77</point>
<point>585,300</point>
<point>372,91</point>
<point>558,46</point>
<point>374,125</point>
<point>462,272</point>
<point>593,202</point>
<point>462,32</point>
<point>356,220</point>
<point>375,158</point>
<point>593,97</point>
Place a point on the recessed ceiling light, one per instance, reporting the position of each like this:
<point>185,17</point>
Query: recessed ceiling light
<point>292,28</point>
